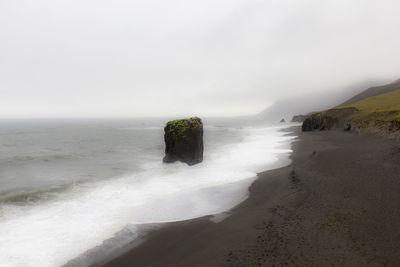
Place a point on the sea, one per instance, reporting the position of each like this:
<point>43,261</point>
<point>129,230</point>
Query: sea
<point>69,186</point>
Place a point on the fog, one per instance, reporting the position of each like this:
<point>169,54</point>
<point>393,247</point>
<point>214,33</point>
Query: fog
<point>124,58</point>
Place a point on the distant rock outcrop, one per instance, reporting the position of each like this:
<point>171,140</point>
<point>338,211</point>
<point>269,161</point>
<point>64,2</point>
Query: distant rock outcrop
<point>327,120</point>
<point>282,120</point>
<point>299,118</point>
<point>184,141</point>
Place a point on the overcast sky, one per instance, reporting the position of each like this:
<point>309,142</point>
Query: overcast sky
<point>112,58</point>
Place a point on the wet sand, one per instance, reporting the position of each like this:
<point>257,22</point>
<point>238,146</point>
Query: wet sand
<point>337,204</point>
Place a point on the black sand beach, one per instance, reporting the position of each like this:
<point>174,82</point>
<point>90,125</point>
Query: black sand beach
<point>337,204</point>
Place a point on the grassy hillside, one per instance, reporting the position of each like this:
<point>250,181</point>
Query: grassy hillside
<point>380,114</point>
<point>373,91</point>
<point>385,107</point>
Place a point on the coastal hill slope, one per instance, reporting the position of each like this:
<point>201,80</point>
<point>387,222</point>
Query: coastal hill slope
<point>373,91</point>
<point>304,103</point>
<point>379,113</point>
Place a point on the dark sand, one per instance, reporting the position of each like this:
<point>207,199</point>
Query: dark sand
<point>337,204</point>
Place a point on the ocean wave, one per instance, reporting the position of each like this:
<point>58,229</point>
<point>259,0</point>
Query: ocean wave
<point>144,128</point>
<point>21,159</point>
<point>27,197</point>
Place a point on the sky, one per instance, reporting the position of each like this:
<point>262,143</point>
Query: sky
<point>128,58</point>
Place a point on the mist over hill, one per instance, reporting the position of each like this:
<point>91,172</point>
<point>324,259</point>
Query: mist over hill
<point>373,91</point>
<point>303,104</point>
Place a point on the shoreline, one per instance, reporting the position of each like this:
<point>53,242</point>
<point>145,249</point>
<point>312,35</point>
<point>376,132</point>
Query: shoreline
<point>134,235</point>
<point>154,232</point>
<point>336,203</point>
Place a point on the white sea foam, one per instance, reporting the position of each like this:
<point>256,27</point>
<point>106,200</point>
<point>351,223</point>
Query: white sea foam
<point>50,233</point>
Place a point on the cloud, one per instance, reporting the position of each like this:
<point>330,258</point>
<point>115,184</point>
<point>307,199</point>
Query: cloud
<point>156,58</point>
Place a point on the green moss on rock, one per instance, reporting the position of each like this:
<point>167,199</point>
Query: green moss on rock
<point>183,127</point>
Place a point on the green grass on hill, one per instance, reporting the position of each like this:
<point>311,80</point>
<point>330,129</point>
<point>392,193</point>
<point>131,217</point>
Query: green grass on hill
<point>385,107</point>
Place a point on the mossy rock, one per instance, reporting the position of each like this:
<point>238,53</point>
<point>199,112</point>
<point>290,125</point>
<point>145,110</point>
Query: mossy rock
<point>184,141</point>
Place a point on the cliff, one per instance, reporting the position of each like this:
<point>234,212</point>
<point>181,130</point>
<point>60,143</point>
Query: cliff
<point>380,114</point>
<point>329,119</point>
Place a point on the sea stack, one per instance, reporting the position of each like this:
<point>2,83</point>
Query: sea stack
<point>184,141</point>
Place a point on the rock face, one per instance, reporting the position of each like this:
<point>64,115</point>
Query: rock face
<point>327,120</point>
<point>282,120</point>
<point>184,141</point>
<point>299,118</point>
